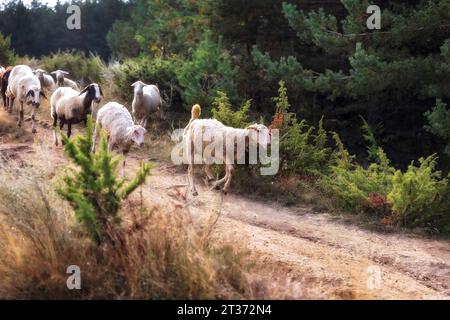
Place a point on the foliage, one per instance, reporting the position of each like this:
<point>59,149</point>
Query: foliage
<point>371,141</point>
<point>419,196</point>
<point>355,187</point>
<point>222,111</point>
<point>439,122</point>
<point>93,189</point>
<point>303,148</point>
<point>7,55</point>
<point>81,67</point>
<point>208,71</point>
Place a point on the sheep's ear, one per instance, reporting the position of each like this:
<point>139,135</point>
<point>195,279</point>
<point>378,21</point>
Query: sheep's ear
<point>84,90</point>
<point>135,84</point>
<point>101,92</point>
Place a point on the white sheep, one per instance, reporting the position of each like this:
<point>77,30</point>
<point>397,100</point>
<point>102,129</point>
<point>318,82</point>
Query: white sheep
<point>200,133</point>
<point>121,130</point>
<point>24,86</point>
<point>72,107</point>
<point>147,100</point>
<point>62,81</point>
<point>46,80</point>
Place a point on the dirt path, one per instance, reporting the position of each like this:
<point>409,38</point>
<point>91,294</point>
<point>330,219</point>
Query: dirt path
<point>324,257</point>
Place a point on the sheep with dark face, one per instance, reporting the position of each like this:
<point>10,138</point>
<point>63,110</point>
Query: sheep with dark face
<point>72,107</point>
<point>24,86</point>
<point>62,81</point>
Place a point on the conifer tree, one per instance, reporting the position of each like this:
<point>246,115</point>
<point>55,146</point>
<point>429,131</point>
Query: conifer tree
<point>92,187</point>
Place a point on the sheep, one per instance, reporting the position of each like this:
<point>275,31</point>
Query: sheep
<point>4,76</point>
<point>199,134</point>
<point>62,81</point>
<point>72,107</point>
<point>147,100</point>
<point>121,129</point>
<point>46,80</point>
<point>25,86</point>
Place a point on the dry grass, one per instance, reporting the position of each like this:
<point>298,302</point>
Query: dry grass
<point>155,256</point>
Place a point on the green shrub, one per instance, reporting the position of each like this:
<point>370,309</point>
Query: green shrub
<point>158,71</point>
<point>208,71</point>
<point>93,189</point>
<point>81,67</point>
<point>419,196</point>
<point>222,111</point>
<point>303,148</point>
<point>356,188</point>
<point>371,141</point>
<point>7,55</point>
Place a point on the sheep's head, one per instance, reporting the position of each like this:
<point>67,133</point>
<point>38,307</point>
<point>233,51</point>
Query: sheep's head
<point>259,133</point>
<point>137,135</point>
<point>34,95</point>
<point>138,86</point>
<point>93,92</point>
<point>59,75</point>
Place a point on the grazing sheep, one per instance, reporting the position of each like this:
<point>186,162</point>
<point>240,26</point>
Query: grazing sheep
<point>201,132</point>
<point>147,100</point>
<point>46,80</point>
<point>121,130</point>
<point>72,107</point>
<point>4,76</point>
<point>62,81</point>
<point>25,86</point>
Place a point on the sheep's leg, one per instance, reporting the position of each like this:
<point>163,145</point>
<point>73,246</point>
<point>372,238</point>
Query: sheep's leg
<point>33,121</point>
<point>11,104</point>
<point>69,128</point>
<point>124,162</point>
<point>55,123</point>
<point>19,123</point>
<point>191,180</point>
<point>209,173</point>
<point>229,169</point>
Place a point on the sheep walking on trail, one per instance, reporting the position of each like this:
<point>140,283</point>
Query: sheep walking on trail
<point>62,81</point>
<point>24,86</point>
<point>46,80</point>
<point>121,130</point>
<point>72,107</point>
<point>199,134</point>
<point>147,101</point>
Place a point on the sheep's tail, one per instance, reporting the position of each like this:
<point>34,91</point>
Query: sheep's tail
<point>196,112</point>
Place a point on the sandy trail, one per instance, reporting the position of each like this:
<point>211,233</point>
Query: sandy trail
<point>325,257</point>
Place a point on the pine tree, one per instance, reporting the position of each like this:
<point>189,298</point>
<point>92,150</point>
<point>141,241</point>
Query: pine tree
<point>92,187</point>
<point>390,76</point>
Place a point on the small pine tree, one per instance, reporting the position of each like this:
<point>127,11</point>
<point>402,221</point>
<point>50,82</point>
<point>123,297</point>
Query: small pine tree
<point>92,188</point>
<point>371,141</point>
<point>223,111</point>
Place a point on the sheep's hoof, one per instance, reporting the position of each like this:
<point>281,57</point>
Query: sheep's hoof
<point>225,192</point>
<point>217,187</point>
<point>19,124</point>
<point>195,193</point>
<point>34,131</point>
